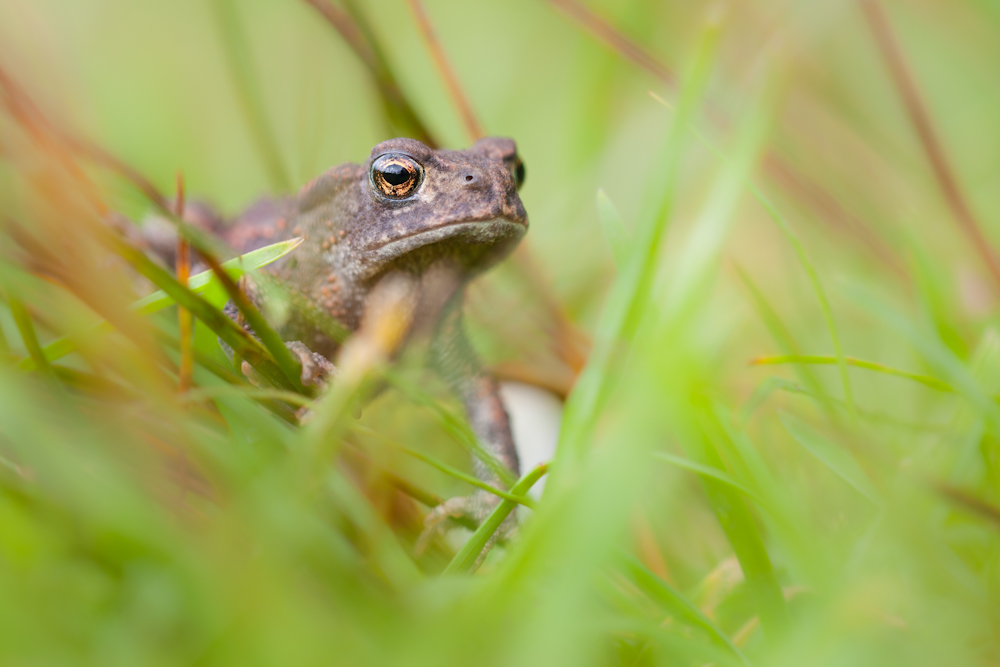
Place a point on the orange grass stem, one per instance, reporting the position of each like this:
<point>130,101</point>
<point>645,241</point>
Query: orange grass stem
<point>455,90</point>
<point>184,320</point>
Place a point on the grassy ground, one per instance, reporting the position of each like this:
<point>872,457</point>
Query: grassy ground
<point>761,253</point>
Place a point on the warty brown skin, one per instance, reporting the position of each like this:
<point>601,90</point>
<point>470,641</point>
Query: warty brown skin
<point>465,214</point>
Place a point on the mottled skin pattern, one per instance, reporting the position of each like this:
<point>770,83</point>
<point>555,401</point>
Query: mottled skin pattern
<point>465,214</point>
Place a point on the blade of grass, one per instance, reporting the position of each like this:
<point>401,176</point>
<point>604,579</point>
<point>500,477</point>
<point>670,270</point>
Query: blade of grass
<point>618,319</point>
<point>709,471</point>
<point>786,341</point>
<point>920,118</point>
<point>821,297</point>
<point>925,380</point>
<point>240,61</point>
<point>353,29</point>
<point>5,353</point>
<point>466,558</point>
<point>613,227</point>
<point>445,468</point>
<point>737,522</point>
<point>454,424</point>
<point>939,356</point>
<point>616,40</point>
<point>971,502</point>
<point>769,385</point>
<point>204,393</point>
<point>287,364</point>
<point>361,362</point>
<point>458,97</point>
<point>670,599</point>
<point>157,301</point>
<point>836,458</point>
<point>230,332</point>
<point>28,336</point>
<point>185,324</point>
<point>810,271</point>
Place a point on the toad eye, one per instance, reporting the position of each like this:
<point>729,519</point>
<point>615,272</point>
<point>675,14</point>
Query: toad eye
<point>395,176</point>
<point>516,168</point>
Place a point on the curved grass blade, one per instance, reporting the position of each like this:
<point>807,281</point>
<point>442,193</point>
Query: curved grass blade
<point>248,90</point>
<point>673,600</point>
<point>454,424</point>
<point>618,318</point>
<point>939,356</point>
<point>157,301</point>
<point>447,469</point>
<point>231,333</point>
<point>810,271</point>
<point>27,329</point>
<point>614,228</point>
<point>783,337</point>
<point>925,380</point>
<point>824,302</point>
<point>466,558</point>
<point>736,521</point>
<point>708,471</point>
<point>835,458</point>
<point>287,364</point>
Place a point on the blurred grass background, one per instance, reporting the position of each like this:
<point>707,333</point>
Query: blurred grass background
<point>785,193</point>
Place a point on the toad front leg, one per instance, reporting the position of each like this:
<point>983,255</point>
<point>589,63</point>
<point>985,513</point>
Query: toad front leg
<point>456,361</point>
<point>317,370</point>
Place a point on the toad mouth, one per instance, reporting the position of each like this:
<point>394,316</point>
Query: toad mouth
<point>483,232</point>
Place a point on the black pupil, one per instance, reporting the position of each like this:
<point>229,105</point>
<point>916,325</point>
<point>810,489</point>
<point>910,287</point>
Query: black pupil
<point>519,173</point>
<point>395,174</point>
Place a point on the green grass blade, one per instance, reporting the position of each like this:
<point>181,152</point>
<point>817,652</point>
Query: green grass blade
<point>454,424</point>
<point>784,338</point>
<point>240,61</point>
<point>811,272</point>
<point>939,356</point>
<point>468,479</point>
<point>466,558</point>
<point>618,318</point>
<point>613,227</point>
<point>449,470</point>
<point>836,458</point>
<point>206,281</point>
<point>27,329</point>
<point>925,380</point>
<point>289,366</point>
<point>708,471</point>
<point>817,285</point>
<point>737,522</point>
<point>226,329</point>
<point>674,601</point>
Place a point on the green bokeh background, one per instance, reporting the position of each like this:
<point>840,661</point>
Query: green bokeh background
<point>140,531</point>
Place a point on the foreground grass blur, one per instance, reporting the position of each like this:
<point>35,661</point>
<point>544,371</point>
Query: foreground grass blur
<point>808,188</point>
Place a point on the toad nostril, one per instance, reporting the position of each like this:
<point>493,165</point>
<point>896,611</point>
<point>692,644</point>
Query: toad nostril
<point>469,178</point>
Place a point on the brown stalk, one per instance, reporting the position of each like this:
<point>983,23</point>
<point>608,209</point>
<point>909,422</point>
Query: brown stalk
<point>916,109</point>
<point>53,144</point>
<point>184,321</point>
<point>396,105</point>
<point>31,119</point>
<point>830,209</point>
<point>618,41</point>
<point>775,166</point>
<point>455,90</point>
<point>971,502</point>
<point>57,142</point>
